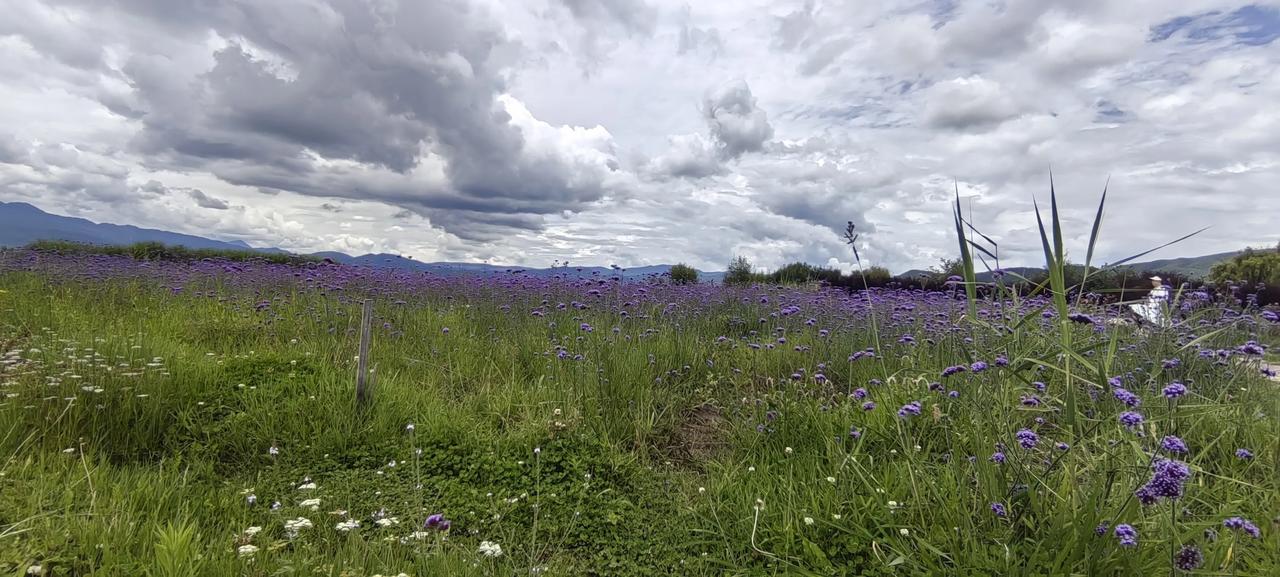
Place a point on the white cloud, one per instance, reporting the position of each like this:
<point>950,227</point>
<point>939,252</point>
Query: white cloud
<point>644,131</point>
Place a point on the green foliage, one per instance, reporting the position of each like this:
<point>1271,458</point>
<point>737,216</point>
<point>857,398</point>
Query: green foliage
<point>671,454</point>
<point>739,272</point>
<point>1249,267</point>
<point>159,251</point>
<point>683,274</point>
<point>178,551</point>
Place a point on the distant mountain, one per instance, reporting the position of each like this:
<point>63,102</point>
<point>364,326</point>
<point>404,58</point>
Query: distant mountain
<point>22,224</point>
<point>1190,266</point>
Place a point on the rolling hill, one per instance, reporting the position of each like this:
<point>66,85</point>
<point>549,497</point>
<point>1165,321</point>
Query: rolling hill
<point>22,224</point>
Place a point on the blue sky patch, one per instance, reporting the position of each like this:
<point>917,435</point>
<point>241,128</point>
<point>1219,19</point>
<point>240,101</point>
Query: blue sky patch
<point>1251,25</point>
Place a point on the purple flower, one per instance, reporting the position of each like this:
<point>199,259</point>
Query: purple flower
<point>1126,397</point>
<point>1040,386</point>
<point>1251,348</point>
<point>867,406</point>
<point>978,366</point>
<point>434,521</point>
<point>1170,363</point>
<point>1027,438</point>
<point>1102,528</point>
<point>1242,524</point>
<point>954,394</point>
<point>859,393</point>
<point>1130,419</point>
<point>997,458</point>
<point>1061,446</point>
<point>1245,454</point>
<point>910,409</point>
<point>1173,444</point>
<point>1166,481</point>
<point>1080,318</point>
<point>854,433</point>
<point>1030,401</point>
<point>1127,535</point>
<point>1188,558</point>
<point>1002,361</point>
<point>953,370</point>
<point>1175,390</point>
<point>998,509</point>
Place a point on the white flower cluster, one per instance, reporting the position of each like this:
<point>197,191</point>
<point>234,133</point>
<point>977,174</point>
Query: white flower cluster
<point>490,549</point>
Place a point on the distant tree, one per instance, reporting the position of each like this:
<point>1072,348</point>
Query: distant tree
<point>878,276</point>
<point>1249,267</point>
<point>739,271</point>
<point>683,274</point>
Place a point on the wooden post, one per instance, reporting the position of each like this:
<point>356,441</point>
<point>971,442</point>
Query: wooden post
<point>362,364</point>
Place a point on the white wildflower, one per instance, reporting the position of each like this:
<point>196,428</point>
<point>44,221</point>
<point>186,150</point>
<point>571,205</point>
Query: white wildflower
<point>387,521</point>
<point>808,520</point>
<point>490,549</point>
<point>35,570</point>
<point>251,531</point>
<point>904,532</point>
<point>307,487</point>
<point>313,504</point>
<point>831,479</point>
<point>788,450</point>
<point>247,550</point>
<point>293,526</point>
<point>347,525</point>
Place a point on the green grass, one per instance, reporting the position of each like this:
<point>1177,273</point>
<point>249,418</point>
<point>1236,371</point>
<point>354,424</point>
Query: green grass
<point>608,466</point>
<point>160,251</point>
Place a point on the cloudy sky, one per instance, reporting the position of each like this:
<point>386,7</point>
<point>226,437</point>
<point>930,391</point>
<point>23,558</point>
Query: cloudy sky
<point>644,131</point>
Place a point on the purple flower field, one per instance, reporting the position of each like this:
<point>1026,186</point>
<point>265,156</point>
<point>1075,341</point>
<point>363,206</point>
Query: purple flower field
<point>573,426</point>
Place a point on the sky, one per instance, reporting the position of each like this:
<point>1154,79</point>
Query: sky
<point>636,132</point>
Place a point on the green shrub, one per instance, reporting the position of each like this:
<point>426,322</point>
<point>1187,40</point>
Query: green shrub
<point>683,274</point>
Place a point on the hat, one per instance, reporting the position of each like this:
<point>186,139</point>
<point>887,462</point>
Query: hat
<point>1156,278</point>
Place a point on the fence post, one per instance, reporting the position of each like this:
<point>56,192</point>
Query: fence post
<point>362,363</point>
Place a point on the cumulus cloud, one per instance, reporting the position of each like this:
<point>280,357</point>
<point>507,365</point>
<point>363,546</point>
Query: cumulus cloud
<point>971,101</point>
<point>737,124</point>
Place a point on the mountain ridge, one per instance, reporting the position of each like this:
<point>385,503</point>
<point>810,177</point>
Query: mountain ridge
<point>23,223</point>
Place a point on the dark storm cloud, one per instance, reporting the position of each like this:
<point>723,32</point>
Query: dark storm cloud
<point>384,85</point>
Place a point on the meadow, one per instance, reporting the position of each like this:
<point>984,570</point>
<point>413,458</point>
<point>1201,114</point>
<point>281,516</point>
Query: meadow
<point>198,417</point>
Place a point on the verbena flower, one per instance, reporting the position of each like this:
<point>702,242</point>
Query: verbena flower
<point>1243,525</point>
<point>1245,454</point>
<point>1027,438</point>
<point>978,366</point>
<point>1188,558</point>
<point>998,509</point>
<point>1130,419</point>
<point>998,457</point>
<point>1166,481</point>
<point>1175,390</point>
<point>1173,444</point>
<point>953,370</point>
<point>910,409</point>
<point>1127,535</point>
<point>1126,397</point>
